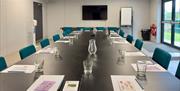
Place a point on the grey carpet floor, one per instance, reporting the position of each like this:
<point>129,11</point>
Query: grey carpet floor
<point>150,46</point>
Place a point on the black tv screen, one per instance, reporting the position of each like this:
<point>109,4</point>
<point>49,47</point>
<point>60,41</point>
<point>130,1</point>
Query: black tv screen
<point>94,12</point>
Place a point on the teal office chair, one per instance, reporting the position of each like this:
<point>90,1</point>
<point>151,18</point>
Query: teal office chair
<point>138,44</point>
<point>115,29</point>
<point>101,28</point>
<point>27,51</point>
<point>3,64</point>
<point>121,33</point>
<point>80,28</point>
<point>162,57</point>
<point>67,31</point>
<point>178,72</point>
<point>56,37</point>
<point>44,43</point>
<point>129,38</point>
<point>88,28</point>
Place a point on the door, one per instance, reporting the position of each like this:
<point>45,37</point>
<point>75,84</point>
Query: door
<point>38,15</point>
<point>171,23</point>
<point>177,24</point>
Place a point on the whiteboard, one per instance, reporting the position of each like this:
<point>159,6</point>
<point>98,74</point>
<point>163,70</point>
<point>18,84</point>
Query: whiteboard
<point>126,16</point>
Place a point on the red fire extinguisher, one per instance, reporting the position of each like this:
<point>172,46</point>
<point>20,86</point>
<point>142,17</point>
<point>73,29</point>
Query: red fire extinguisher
<point>153,29</point>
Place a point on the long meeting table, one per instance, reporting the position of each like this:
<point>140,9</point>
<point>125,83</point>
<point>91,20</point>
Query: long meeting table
<point>107,64</point>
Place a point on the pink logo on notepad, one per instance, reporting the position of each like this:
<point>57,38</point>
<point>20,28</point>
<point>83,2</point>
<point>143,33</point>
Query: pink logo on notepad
<point>45,86</point>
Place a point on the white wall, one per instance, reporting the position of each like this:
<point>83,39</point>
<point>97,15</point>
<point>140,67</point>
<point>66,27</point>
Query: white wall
<point>155,18</point>
<point>16,18</point>
<point>15,25</point>
<point>16,22</point>
<point>69,13</point>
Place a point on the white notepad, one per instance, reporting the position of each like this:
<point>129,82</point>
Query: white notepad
<point>125,83</point>
<point>20,68</point>
<point>151,68</point>
<point>76,32</point>
<point>47,51</point>
<point>134,54</point>
<point>62,41</point>
<point>115,37</point>
<point>71,86</point>
<point>47,83</point>
<point>120,42</point>
<point>68,37</point>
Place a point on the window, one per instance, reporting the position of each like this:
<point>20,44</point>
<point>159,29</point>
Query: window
<point>171,23</point>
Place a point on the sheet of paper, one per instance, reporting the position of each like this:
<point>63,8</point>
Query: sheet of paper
<point>20,68</point>
<point>47,50</point>
<point>71,86</point>
<point>47,83</point>
<point>115,37</point>
<point>125,83</point>
<point>134,54</point>
<point>149,63</point>
<point>62,41</point>
<point>151,68</point>
<point>113,33</point>
<point>120,42</point>
<point>45,86</point>
<point>76,32</point>
<point>68,37</point>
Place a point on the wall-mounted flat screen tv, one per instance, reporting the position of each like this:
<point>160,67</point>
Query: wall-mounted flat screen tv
<point>94,12</point>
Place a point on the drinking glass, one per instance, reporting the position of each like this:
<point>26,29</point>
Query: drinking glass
<point>87,64</point>
<point>141,70</point>
<point>122,54</point>
<point>71,41</point>
<point>77,36</point>
<point>92,49</point>
<point>94,31</point>
<point>57,53</point>
<point>39,62</point>
<point>56,49</point>
<point>92,57</point>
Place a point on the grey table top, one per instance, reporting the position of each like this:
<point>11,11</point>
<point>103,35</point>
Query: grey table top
<point>106,65</point>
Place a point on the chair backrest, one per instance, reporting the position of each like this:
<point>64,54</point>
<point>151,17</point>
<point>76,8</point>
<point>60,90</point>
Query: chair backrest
<point>65,33</point>
<point>101,28</point>
<point>115,29</point>
<point>138,44</point>
<point>121,33</point>
<point>88,28</point>
<point>161,57</point>
<point>80,28</point>
<point>27,51</point>
<point>56,37</point>
<point>129,38</point>
<point>3,64</point>
<point>44,43</point>
<point>178,72</point>
<point>67,30</point>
